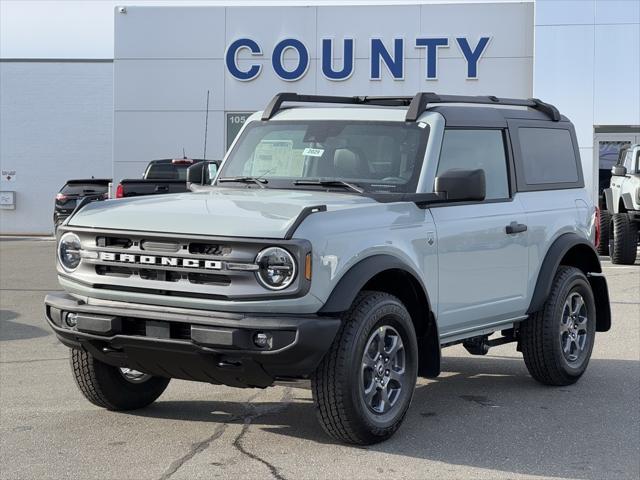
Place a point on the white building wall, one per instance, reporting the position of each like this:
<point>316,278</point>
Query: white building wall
<point>587,62</point>
<point>56,122</point>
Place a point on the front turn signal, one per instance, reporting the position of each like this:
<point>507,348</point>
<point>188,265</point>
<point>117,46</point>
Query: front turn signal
<point>307,267</point>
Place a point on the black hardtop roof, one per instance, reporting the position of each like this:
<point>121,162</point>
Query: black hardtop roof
<point>469,116</point>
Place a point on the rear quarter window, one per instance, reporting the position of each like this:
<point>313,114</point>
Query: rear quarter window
<point>546,155</point>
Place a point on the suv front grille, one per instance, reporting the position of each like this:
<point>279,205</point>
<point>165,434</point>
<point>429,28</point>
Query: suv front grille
<point>211,268</point>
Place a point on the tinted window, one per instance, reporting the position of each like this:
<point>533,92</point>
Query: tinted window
<point>167,171</point>
<point>83,189</point>
<point>473,149</point>
<point>547,156</point>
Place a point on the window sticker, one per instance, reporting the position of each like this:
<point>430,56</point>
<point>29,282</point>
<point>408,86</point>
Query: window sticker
<point>276,158</point>
<point>313,152</point>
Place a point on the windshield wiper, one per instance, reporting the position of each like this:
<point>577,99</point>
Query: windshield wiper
<point>331,183</point>
<point>258,181</point>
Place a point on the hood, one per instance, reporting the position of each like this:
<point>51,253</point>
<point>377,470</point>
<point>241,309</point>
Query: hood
<point>228,212</point>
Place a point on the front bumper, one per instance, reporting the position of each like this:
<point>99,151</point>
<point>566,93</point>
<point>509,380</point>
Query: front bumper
<point>214,347</point>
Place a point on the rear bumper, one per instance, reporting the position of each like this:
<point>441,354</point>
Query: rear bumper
<point>214,347</point>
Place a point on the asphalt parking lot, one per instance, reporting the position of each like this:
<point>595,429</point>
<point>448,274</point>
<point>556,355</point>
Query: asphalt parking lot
<point>483,418</point>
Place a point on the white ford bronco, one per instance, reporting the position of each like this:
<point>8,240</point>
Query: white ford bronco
<point>347,245</point>
<point>623,207</point>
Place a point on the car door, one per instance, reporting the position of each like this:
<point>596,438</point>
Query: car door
<point>482,246</point>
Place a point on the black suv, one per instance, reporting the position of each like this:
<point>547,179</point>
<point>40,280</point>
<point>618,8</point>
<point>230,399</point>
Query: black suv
<point>73,191</point>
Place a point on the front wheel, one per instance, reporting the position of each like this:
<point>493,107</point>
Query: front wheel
<point>111,387</point>
<point>557,341</point>
<point>623,242</point>
<point>363,387</point>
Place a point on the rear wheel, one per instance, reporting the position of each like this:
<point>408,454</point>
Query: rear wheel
<point>605,225</point>
<point>557,341</point>
<point>364,385</point>
<point>114,388</point>
<point>623,242</point>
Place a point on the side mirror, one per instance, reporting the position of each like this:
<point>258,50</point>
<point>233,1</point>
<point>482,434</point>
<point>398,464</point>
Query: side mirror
<point>619,170</point>
<point>457,185</point>
<point>212,170</point>
<point>202,173</point>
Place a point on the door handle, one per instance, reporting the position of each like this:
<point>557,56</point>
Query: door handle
<point>515,227</point>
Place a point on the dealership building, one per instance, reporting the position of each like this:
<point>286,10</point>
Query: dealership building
<point>101,88</point>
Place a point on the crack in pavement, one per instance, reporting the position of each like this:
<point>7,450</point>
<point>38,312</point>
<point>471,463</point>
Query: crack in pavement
<point>201,446</point>
<point>251,413</point>
<point>193,451</point>
<point>284,403</point>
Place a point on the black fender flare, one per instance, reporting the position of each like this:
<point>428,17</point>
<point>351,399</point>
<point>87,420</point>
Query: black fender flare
<point>589,263</point>
<point>354,280</point>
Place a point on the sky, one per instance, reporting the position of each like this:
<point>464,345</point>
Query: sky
<point>79,29</point>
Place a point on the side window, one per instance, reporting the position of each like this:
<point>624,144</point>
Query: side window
<point>473,149</point>
<point>548,156</point>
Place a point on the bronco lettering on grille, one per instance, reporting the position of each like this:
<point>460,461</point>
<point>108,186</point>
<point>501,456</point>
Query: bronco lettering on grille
<point>158,260</point>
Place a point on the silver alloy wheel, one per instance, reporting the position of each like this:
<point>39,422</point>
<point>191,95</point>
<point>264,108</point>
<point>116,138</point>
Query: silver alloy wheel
<point>573,327</point>
<point>134,376</point>
<point>383,369</point>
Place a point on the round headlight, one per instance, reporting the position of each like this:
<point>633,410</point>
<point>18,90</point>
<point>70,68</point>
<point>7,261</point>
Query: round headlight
<point>277,268</point>
<point>69,251</point>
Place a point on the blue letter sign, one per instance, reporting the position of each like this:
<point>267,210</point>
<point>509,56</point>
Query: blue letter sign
<point>379,53</point>
<point>431,54</point>
<point>231,59</point>
<point>277,59</point>
<point>472,56</point>
<point>347,60</point>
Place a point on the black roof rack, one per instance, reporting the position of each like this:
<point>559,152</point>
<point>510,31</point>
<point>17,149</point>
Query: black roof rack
<point>276,102</point>
<point>423,99</point>
<point>417,104</point>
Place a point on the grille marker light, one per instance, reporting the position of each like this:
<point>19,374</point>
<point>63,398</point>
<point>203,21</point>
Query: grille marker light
<point>307,266</point>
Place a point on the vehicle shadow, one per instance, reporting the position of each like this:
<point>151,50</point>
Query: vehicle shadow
<point>485,413</point>
<point>10,330</point>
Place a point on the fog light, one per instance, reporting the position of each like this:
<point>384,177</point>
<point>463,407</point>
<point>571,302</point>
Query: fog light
<point>262,340</point>
<point>71,319</point>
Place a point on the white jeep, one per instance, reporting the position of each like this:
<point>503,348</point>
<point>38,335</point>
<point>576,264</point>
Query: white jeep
<point>623,207</point>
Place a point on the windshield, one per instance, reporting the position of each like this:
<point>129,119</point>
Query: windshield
<point>375,156</point>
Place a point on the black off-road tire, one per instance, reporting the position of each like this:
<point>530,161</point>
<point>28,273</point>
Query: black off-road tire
<point>106,387</point>
<point>605,225</point>
<point>540,334</point>
<point>336,384</point>
<point>624,239</point>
